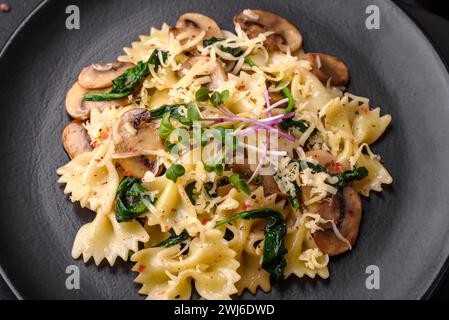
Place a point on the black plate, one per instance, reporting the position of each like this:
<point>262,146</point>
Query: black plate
<point>405,230</point>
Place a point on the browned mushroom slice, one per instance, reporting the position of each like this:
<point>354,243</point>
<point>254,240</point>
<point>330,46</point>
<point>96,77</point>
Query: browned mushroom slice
<point>276,97</point>
<point>217,73</point>
<point>185,34</point>
<point>138,135</point>
<point>79,109</point>
<point>328,209</point>
<point>222,191</point>
<point>200,21</point>
<point>326,67</point>
<point>75,139</point>
<point>268,183</point>
<point>348,226</point>
<point>100,75</point>
<point>284,36</point>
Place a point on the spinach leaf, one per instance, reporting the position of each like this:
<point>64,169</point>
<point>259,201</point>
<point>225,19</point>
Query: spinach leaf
<point>273,260</point>
<point>236,52</point>
<point>191,192</point>
<point>175,171</point>
<point>348,176</point>
<point>173,239</point>
<point>159,112</point>
<point>240,183</point>
<point>294,198</point>
<point>125,84</point>
<point>291,100</point>
<point>290,123</point>
<point>130,199</point>
<point>211,41</point>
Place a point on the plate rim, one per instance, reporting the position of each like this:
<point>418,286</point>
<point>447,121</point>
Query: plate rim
<point>442,273</point>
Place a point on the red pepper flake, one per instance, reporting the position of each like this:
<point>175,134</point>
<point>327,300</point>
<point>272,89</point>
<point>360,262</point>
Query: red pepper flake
<point>364,110</point>
<point>97,160</point>
<point>104,183</point>
<point>167,228</point>
<point>336,167</point>
<point>141,268</point>
<point>245,206</point>
<point>105,134</point>
<point>241,86</point>
<point>126,173</point>
<point>94,144</point>
<point>173,209</point>
<point>5,7</point>
<point>205,220</point>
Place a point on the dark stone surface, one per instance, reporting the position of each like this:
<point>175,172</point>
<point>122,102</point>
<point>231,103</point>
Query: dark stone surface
<point>434,26</point>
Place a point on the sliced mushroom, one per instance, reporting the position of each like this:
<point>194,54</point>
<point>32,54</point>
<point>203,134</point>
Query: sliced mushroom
<point>138,135</point>
<point>326,67</point>
<point>100,75</point>
<point>276,97</point>
<point>328,209</point>
<point>200,21</point>
<point>284,34</point>
<point>79,109</point>
<point>75,139</point>
<point>222,191</point>
<point>268,183</point>
<point>185,34</point>
<point>348,225</point>
<point>217,74</point>
<point>344,210</point>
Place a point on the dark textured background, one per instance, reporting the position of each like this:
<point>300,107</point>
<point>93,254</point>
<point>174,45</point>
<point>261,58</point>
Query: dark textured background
<point>428,14</point>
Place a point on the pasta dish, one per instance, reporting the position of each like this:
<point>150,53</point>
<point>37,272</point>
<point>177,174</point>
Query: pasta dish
<point>220,161</point>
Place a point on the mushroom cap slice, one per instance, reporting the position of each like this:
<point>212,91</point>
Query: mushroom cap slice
<point>269,184</point>
<point>79,109</point>
<point>349,225</point>
<point>200,21</point>
<point>217,73</point>
<point>328,209</point>
<point>138,135</point>
<point>326,67</point>
<point>100,75</point>
<point>75,139</point>
<point>185,34</point>
<point>285,35</point>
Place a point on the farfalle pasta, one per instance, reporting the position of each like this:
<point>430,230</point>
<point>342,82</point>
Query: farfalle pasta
<point>220,161</point>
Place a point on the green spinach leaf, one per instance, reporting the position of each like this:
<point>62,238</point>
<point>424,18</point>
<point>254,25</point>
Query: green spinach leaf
<point>130,200</point>
<point>125,84</point>
<point>273,260</point>
<point>173,239</point>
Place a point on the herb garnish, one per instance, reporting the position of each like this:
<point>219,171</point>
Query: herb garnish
<point>273,260</point>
